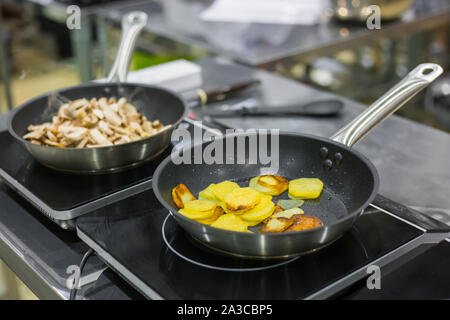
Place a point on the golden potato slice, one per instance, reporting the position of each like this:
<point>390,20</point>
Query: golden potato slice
<point>275,225</point>
<point>276,184</point>
<point>253,183</point>
<point>221,190</point>
<point>305,188</point>
<point>195,206</point>
<point>217,213</point>
<point>263,210</point>
<point>289,204</point>
<point>304,222</point>
<point>199,209</point>
<point>276,210</point>
<point>208,194</point>
<point>288,213</point>
<point>231,222</point>
<point>241,200</point>
<point>181,195</point>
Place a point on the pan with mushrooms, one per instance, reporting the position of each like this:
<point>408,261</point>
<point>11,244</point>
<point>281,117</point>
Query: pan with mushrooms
<point>92,123</point>
<point>103,127</point>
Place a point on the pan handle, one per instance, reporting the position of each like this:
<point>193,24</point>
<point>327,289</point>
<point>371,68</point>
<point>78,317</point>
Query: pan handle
<point>391,101</point>
<point>132,24</point>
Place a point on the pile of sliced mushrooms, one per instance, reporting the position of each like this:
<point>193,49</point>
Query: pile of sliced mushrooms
<point>86,123</point>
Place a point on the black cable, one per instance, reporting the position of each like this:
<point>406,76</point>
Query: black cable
<point>73,291</point>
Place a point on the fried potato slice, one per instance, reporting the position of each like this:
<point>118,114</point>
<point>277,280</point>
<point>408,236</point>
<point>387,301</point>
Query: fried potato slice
<point>181,195</point>
<point>288,213</point>
<point>305,188</point>
<point>231,222</point>
<point>200,209</point>
<point>194,216</point>
<point>223,188</point>
<point>263,210</point>
<point>241,200</point>
<point>304,222</point>
<point>269,184</point>
<point>217,213</point>
<point>289,204</point>
<point>208,194</point>
<point>275,225</point>
<point>277,209</point>
<point>275,184</point>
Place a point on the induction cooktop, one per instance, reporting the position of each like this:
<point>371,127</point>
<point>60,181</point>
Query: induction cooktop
<point>61,196</point>
<point>141,241</point>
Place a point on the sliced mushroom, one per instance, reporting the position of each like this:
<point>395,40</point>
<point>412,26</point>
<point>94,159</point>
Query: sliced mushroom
<point>129,109</point>
<point>76,134</point>
<point>147,127</point>
<point>120,130</point>
<point>121,103</point>
<point>112,117</point>
<point>35,135</point>
<point>104,127</point>
<point>98,113</point>
<point>51,136</point>
<point>79,103</point>
<point>82,143</point>
<point>135,127</point>
<point>89,120</point>
<point>122,139</point>
<point>103,103</point>
<point>52,143</point>
<point>98,137</point>
<point>114,107</point>
<point>63,112</point>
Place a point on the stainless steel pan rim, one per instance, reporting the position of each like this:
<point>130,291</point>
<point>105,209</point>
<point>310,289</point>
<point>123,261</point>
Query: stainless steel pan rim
<point>105,171</point>
<point>18,109</point>
<point>351,215</point>
<point>286,256</point>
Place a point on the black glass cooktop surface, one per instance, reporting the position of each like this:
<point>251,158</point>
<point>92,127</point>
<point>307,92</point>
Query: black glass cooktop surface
<point>142,242</point>
<point>59,191</point>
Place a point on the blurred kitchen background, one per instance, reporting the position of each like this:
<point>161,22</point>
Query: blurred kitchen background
<point>324,43</point>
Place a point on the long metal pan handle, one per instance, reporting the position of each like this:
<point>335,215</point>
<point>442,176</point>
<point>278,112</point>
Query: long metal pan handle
<point>391,101</point>
<point>132,24</point>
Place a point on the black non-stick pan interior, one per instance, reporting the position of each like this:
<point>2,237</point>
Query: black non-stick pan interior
<point>350,180</point>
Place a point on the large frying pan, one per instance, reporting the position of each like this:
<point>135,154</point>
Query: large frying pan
<point>350,179</point>
<point>153,102</point>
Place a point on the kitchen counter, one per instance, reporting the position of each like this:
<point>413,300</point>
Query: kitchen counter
<point>410,158</point>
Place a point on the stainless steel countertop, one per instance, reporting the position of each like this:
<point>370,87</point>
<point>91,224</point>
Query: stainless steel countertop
<point>411,159</point>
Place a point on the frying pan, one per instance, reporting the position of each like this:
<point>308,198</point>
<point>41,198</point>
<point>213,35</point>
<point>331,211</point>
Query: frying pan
<point>350,179</point>
<point>152,101</point>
